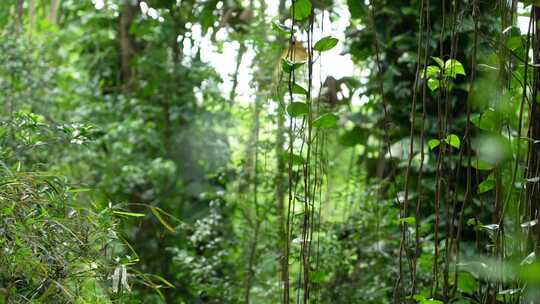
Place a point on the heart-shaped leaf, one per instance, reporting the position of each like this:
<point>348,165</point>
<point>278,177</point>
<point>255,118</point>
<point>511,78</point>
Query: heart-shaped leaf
<point>325,44</point>
<point>295,109</point>
<point>325,121</point>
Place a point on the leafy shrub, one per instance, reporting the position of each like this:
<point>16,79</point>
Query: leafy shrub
<point>53,249</point>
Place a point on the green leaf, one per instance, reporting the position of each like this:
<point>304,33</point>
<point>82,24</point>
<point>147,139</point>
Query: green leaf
<point>453,140</point>
<point>408,220</point>
<point>163,280</point>
<point>78,190</point>
<point>125,213</point>
<point>433,84</point>
<point>453,68</point>
<point>325,44</point>
<point>156,212</point>
<point>280,28</point>
<point>296,89</point>
<point>325,121</point>
<point>488,120</point>
<point>295,109</point>
<point>479,164</point>
<point>486,185</point>
<point>432,71</point>
<point>302,9</point>
<point>472,222</point>
<point>356,8</point>
<point>439,61</point>
<point>289,66</point>
<point>433,143</point>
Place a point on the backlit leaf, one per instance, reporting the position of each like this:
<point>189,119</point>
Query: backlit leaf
<point>295,109</point>
<point>325,121</point>
<point>325,44</point>
<point>301,9</point>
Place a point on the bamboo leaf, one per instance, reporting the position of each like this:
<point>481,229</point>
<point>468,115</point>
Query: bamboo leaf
<point>125,213</point>
<point>156,213</point>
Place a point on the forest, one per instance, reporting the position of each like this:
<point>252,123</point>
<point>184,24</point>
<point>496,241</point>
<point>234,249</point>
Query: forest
<point>270,151</point>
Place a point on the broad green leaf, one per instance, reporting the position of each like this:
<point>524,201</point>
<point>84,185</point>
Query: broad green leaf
<point>473,222</point>
<point>289,66</point>
<point>488,121</point>
<point>301,9</point>
<point>453,68</point>
<point>356,8</point>
<point>433,84</point>
<point>325,44</point>
<point>432,71</point>
<point>296,89</point>
<point>479,164</point>
<point>295,109</point>
<point>125,213</point>
<point>453,140</point>
<point>486,185</point>
<point>433,143</point>
<point>325,121</point>
<point>439,61</point>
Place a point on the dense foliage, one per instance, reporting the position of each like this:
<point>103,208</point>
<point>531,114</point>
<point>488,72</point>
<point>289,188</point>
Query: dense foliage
<point>306,151</point>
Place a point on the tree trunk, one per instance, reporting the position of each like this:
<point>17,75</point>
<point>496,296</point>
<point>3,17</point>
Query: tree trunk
<point>252,157</point>
<point>31,14</point>
<point>19,13</point>
<point>53,12</point>
<point>127,45</point>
